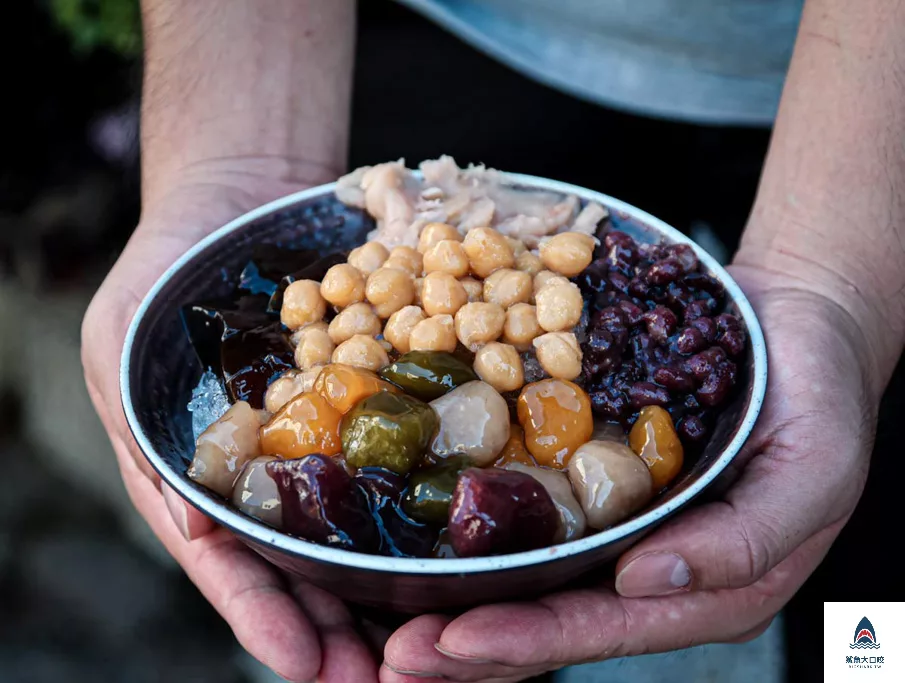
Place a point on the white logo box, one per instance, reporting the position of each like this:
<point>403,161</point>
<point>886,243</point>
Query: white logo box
<point>858,650</point>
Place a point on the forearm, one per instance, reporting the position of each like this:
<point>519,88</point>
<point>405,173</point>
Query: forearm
<point>245,91</point>
<point>830,211</point>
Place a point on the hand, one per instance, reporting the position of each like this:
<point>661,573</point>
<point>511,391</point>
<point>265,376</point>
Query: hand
<point>716,573</point>
<point>296,629</point>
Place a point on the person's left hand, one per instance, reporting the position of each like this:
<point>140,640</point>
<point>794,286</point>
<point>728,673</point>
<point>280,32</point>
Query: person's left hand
<point>716,573</point>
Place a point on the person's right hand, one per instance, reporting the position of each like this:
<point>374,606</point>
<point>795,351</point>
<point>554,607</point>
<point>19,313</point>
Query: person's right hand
<point>299,631</point>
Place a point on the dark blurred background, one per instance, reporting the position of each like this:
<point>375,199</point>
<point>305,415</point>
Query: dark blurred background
<point>86,593</point>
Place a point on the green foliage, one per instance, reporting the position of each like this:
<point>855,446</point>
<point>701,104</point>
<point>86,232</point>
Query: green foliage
<point>95,24</point>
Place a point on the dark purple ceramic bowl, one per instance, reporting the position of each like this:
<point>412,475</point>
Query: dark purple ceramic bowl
<point>159,369</point>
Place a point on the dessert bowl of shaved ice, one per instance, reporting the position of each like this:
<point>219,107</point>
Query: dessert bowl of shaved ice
<point>423,389</point>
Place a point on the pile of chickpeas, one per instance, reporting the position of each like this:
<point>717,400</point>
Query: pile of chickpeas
<point>485,290</point>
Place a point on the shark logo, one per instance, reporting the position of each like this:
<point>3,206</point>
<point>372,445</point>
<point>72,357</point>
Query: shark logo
<point>865,636</point>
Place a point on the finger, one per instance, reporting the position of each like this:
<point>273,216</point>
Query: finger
<point>112,419</point>
<point>591,625</point>
<point>412,651</point>
<point>375,636</point>
<point>753,634</point>
<point>345,655</point>
<point>387,675</point>
<point>147,255</point>
<point>191,522</point>
<point>246,591</point>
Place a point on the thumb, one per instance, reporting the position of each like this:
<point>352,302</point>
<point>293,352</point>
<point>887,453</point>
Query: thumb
<point>734,543</point>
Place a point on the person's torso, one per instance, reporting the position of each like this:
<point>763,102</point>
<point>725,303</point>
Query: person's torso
<point>716,61</point>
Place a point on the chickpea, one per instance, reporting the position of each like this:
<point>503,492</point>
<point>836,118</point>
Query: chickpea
<point>419,289</point>
<point>407,259</point>
<point>314,348</point>
<point>559,306</point>
<point>521,326</point>
<point>507,287</point>
<point>474,289</point>
<point>478,323</point>
<point>362,352</point>
<point>368,257</point>
<point>289,385</point>
<point>529,263</point>
<point>545,277</point>
<point>356,319</point>
<point>567,253</point>
<point>400,325</point>
<point>447,256</point>
<point>302,304</point>
<point>436,333</point>
<point>389,289</point>
<point>299,333</point>
<point>432,233</point>
<point>442,293</point>
<point>518,247</point>
<point>343,285</point>
<point>558,354</point>
<point>487,251</point>
<point>282,389</point>
<point>500,366</point>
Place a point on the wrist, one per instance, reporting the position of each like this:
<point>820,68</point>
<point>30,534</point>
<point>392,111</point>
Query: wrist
<point>863,321</point>
<point>189,204</point>
<point>245,90</point>
<point>246,181</point>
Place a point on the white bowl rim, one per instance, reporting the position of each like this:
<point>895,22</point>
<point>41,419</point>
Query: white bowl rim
<point>259,532</point>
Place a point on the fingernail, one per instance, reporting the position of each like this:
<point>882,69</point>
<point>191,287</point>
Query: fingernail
<point>653,574</point>
<point>177,509</point>
<point>414,674</point>
<point>462,658</point>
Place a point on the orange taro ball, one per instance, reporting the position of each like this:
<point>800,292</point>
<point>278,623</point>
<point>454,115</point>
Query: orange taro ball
<point>654,440</point>
<point>343,386</point>
<point>556,416</point>
<point>307,424</point>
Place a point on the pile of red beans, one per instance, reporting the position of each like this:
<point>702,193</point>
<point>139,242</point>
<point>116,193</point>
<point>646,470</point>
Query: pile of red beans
<point>657,335</point>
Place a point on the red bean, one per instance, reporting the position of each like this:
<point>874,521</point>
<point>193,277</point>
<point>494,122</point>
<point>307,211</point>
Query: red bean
<point>679,296</point>
<point>685,256</point>
<point>705,326</point>
<point>609,402</point>
<point>665,271</point>
<point>690,340</point>
<point>699,309</point>
<point>673,379</point>
<point>733,341</point>
<point>715,387</point>
<point>619,238</point>
<point>633,313</point>
<point>661,322</point>
<point>691,428</point>
<point>704,363</point>
<point>619,282</point>
<point>643,394</point>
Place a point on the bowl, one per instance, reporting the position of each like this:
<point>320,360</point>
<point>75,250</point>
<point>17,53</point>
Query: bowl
<point>159,370</point>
